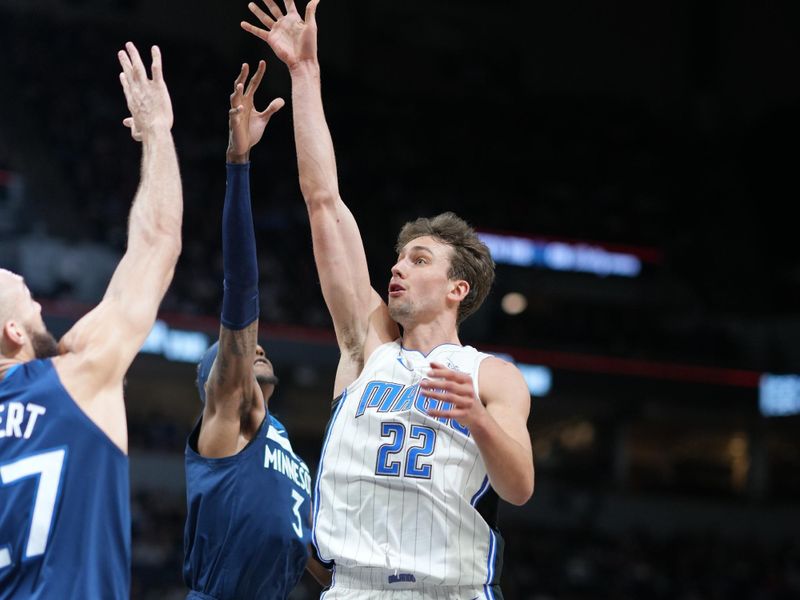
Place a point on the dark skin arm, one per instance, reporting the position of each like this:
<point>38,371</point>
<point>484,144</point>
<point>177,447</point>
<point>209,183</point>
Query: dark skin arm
<point>318,571</point>
<point>234,402</point>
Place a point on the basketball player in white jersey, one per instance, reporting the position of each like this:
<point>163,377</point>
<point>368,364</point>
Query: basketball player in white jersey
<point>426,433</point>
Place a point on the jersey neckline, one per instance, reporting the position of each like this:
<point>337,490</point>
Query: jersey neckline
<point>11,370</point>
<point>434,349</point>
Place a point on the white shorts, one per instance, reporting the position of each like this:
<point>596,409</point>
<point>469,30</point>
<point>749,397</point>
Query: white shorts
<point>369,584</point>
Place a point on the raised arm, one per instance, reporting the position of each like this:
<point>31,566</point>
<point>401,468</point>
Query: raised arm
<point>359,314</point>
<point>234,406</point>
<point>99,349</point>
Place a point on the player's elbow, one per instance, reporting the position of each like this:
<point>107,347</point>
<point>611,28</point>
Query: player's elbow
<point>164,241</point>
<point>167,236</point>
<point>318,197</point>
<point>172,249</point>
<point>168,246</point>
<point>521,498</point>
<point>521,492</point>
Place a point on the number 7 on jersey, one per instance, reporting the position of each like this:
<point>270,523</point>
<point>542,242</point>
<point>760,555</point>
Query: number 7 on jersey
<point>48,467</point>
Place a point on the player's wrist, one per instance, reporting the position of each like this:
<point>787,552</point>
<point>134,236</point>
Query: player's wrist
<point>481,423</point>
<point>236,158</point>
<point>305,68</point>
<point>157,129</point>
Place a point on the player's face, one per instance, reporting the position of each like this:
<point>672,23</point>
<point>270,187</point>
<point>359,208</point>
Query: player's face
<point>262,367</point>
<point>419,285</point>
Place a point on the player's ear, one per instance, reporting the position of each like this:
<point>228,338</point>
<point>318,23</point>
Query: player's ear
<point>14,333</point>
<point>459,289</point>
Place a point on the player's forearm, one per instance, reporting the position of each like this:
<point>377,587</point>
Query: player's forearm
<point>508,463</point>
<point>316,160</point>
<point>232,378</point>
<point>157,210</point>
<point>239,258</point>
<point>239,317</point>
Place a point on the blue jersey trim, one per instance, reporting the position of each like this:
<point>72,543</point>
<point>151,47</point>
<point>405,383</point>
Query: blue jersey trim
<point>490,564</point>
<point>194,437</point>
<point>327,562</point>
<point>10,371</point>
<point>481,491</point>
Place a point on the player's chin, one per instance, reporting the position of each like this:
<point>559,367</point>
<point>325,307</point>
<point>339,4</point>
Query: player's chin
<point>266,379</point>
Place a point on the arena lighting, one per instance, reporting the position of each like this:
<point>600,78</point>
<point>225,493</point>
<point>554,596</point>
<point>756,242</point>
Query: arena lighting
<point>175,344</point>
<point>779,395</point>
<point>539,378</point>
<point>577,257</point>
<point>514,303</point>
<point>62,314</point>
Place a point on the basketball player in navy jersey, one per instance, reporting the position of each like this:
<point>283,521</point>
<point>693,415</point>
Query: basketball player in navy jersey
<point>427,434</point>
<point>64,498</point>
<point>247,530</point>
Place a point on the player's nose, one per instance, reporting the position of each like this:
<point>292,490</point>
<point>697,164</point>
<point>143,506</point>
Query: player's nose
<point>397,269</point>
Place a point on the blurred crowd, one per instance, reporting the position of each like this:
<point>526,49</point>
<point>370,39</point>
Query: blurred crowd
<point>683,177</point>
<point>585,565</point>
<point>690,177</point>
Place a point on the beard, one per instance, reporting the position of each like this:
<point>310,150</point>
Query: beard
<point>44,344</point>
<point>399,312</point>
<point>267,380</point>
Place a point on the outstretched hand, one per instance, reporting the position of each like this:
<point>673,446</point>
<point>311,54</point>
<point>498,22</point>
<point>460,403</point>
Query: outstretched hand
<point>148,99</point>
<point>293,39</point>
<point>246,125</point>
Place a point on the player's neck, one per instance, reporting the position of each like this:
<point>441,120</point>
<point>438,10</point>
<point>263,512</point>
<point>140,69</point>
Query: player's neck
<point>6,364</point>
<point>424,337</point>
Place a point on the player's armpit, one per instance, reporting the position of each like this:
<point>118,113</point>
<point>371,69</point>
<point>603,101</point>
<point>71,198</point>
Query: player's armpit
<point>232,379</point>
<point>382,328</point>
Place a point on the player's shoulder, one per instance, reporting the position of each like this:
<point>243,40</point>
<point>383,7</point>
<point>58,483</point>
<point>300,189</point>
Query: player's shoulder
<point>496,371</point>
<point>73,364</point>
<point>74,369</point>
<point>492,361</point>
<point>272,422</point>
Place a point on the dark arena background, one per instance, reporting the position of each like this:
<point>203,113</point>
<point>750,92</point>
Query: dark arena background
<point>633,167</point>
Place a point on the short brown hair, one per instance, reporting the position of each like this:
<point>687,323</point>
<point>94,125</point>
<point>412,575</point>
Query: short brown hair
<point>471,260</point>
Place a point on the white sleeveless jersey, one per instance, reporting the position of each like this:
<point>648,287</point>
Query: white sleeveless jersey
<point>400,495</point>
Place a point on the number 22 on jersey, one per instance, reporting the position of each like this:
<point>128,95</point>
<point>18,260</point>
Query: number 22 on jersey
<point>421,442</point>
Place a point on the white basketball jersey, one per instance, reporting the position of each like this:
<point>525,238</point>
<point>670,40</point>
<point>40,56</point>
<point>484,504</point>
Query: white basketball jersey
<point>397,490</point>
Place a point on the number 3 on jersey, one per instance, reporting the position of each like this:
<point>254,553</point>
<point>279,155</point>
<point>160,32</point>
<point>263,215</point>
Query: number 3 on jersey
<point>397,431</point>
<point>297,525</point>
<point>48,467</point>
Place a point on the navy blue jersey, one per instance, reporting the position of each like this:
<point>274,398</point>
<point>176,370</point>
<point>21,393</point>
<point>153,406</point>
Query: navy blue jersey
<point>248,519</point>
<point>64,495</point>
